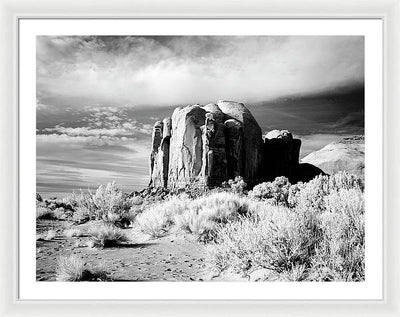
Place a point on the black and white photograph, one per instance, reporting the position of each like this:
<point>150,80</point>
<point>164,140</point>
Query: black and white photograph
<point>200,158</point>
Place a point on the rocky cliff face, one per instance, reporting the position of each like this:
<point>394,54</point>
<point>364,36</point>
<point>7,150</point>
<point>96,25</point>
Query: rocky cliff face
<point>345,155</point>
<point>211,144</point>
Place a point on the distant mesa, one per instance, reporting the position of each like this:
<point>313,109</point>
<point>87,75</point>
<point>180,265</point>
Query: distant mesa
<point>345,155</point>
<point>211,144</point>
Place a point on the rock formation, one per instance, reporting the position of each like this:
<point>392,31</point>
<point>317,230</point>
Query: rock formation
<point>344,155</point>
<point>281,155</point>
<point>211,144</point>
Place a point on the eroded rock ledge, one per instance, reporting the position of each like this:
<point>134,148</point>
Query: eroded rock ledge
<point>214,143</point>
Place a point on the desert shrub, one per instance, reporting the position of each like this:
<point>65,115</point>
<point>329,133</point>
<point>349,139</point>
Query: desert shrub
<point>158,219</point>
<point>320,239</point>
<point>154,222</point>
<point>294,193</point>
<point>219,207</point>
<point>60,213</point>
<point>341,252</point>
<point>107,203</point>
<point>311,196</point>
<point>71,268</point>
<point>107,236</point>
<point>345,180</point>
<point>237,185</point>
<point>43,213</point>
<point>279,239</point>
<point>74,232</point>
<point>47,236</point>
<point>275,193</point>
<point>83,205</point>
<point>127,219</point>
<point>197,224</point>
<point>110,202</point>
<point>204,214</point>
<point>196,216</point>
<point>81,215</point>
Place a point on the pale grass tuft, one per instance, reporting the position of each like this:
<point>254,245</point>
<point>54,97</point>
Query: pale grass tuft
<point>43,213</point>
<point>47,236</point>
<point>107,236</point>
<point>72,268</point>
<point>74,232</point>
<point>157,220</point>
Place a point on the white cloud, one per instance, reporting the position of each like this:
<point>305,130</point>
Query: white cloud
<point>142,71</point>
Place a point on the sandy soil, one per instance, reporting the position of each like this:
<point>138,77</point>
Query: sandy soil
<point>171,258</point>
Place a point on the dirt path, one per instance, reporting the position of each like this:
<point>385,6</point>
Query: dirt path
<point>171,258</point>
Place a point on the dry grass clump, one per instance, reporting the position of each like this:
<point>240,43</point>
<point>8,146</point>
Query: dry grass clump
<point>72,268</point>
<point>205,214</point>
<point>47,236</point>
<point>199,216</point>
<point>157,220</point>
<point>74,232</point>
<point>43,213</point>
<point>107,236</point>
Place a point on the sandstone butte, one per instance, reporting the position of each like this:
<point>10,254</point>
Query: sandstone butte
<point>207,145</point>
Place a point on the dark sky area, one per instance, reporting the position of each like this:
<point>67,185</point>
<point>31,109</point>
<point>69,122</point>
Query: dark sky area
<point>98,97</point>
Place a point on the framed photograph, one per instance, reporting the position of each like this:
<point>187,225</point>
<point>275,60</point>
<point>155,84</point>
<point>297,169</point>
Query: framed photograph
<point>221,160</point>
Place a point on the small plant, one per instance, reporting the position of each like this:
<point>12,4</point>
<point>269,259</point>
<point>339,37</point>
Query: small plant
<point>74,232</point>
<point>71,268</point>
<point>47,236</point>
<point>237,185</point>
<point>107,236</point>
<point>60,213</point>
<point>157,220</point>
<point>110,202</point>
<point>197,224</point>
<point>43,213</point>
<point>81,215</point>
<point>275,193</point>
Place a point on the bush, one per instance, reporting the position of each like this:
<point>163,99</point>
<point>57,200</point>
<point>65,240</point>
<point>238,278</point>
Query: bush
<point>311,196</point>
<point>107,236</point>
<point>280,240</point>
<point>198,216</point>
<point>43,213</point>
<point>60,213</point>
<point>157,220</point>
<point>110,202</point>
<point>275,193</point>
<point>322,243</point>
<point>237,185</point>
<point>341,252</point>
<point>47,236</point>
<point>72,269</point>
<point>81,215</point>
<point>197,224</point>
<point>74,232</point>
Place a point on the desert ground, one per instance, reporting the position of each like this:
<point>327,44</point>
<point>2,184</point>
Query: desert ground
<point>275,232</point>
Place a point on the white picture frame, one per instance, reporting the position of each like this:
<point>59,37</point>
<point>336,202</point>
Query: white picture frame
<point>13,11</point>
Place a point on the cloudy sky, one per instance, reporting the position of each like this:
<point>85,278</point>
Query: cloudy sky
<point>97,97</point>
